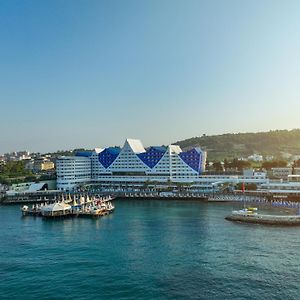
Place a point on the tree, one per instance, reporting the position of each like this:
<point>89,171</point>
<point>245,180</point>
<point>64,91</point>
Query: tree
<point>207,166</point>
<point>14,169</point>
<point>274,164</point>
<point>296,163</point>
<point>243,144</point>
<point>226,164</point>
<point>243,165</point>
<point>3,180</point>
<point>30,178</point>
<point>217,166</point>
<point>248,186</point>
<point>239,164</point>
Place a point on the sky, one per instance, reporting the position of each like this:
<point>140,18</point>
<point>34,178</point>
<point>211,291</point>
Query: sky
<point>92,73</point>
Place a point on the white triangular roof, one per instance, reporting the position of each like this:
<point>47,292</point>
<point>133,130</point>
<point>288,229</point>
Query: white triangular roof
<point>56,207</point>
<point>175,148</point>
<point>135,145</point>
<point>98,150</point>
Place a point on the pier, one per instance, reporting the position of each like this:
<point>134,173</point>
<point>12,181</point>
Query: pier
<point>52,196</point>
<point>163,195</point>
<point>80,207</point>
<point>31,197</point>
<point>288,220</point>
<point>237,198</point>
<point>254,199</point>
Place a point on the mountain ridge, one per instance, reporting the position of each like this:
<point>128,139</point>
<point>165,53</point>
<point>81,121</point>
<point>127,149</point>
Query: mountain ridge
<point>235,145</point>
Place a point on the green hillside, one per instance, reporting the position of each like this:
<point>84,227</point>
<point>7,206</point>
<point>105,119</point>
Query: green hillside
<point>244,144</point>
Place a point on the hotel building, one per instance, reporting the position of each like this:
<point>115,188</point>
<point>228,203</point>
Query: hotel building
<point>134,166</point>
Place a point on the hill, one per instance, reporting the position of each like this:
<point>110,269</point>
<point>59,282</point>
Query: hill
<point>231,145</point>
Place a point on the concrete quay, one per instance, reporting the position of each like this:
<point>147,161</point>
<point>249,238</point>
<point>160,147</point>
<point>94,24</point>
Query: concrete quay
<point>287,220</point>
<point>163,196</point>
<point>32,197</point>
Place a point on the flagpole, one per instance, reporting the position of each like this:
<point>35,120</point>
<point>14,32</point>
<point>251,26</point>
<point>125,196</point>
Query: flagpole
<point>243,191</point>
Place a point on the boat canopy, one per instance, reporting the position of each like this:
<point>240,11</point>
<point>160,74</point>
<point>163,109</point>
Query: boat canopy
<point>61,206</point>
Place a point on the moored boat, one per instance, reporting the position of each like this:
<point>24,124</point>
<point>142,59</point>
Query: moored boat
<point>249,211</point>
<point>83,206</point>
<point>35,210</point>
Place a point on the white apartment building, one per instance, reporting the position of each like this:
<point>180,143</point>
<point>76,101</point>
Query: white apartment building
<point>72,171</point>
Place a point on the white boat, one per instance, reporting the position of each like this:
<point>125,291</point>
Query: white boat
<point>109,206</point>
<point>249,211</point>
<point>25,210</point>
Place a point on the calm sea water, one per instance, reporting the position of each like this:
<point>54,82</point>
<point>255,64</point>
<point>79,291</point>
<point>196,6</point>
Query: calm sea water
<point>147,250</point>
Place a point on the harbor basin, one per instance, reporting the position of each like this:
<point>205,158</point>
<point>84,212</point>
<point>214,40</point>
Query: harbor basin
<point>148,249</point>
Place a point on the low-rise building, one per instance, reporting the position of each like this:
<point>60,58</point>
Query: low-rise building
<point>44,165</point>
<point>256,157</point>
<point>40,164</point>
<point>283,173</point>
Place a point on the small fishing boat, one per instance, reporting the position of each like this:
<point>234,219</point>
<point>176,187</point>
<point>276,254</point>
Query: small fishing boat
<point>25,210</point>
<point>35,210</point>
<point>248,211</point>
<point>110,207</point>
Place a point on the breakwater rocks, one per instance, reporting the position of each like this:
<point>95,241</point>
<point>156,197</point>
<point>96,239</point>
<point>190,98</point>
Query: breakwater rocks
<point>288,220</point>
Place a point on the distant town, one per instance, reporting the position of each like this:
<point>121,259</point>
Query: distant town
<point>18,166</point>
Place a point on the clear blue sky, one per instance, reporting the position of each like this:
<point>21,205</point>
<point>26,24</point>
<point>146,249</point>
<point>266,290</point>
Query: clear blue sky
<point>91,73</point>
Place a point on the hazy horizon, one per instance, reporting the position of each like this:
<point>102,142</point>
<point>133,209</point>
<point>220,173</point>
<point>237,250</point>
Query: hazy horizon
<point>90,74</point>
<point>121,143</point>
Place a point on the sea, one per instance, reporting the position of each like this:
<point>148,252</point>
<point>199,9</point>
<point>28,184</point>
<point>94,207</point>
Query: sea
<point>147,249</point>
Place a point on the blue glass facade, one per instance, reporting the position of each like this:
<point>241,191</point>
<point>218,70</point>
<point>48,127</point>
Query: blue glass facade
<point>192,158</point>
<point>84,153</point>
<point>108,156</point>
<point>152,156</point>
